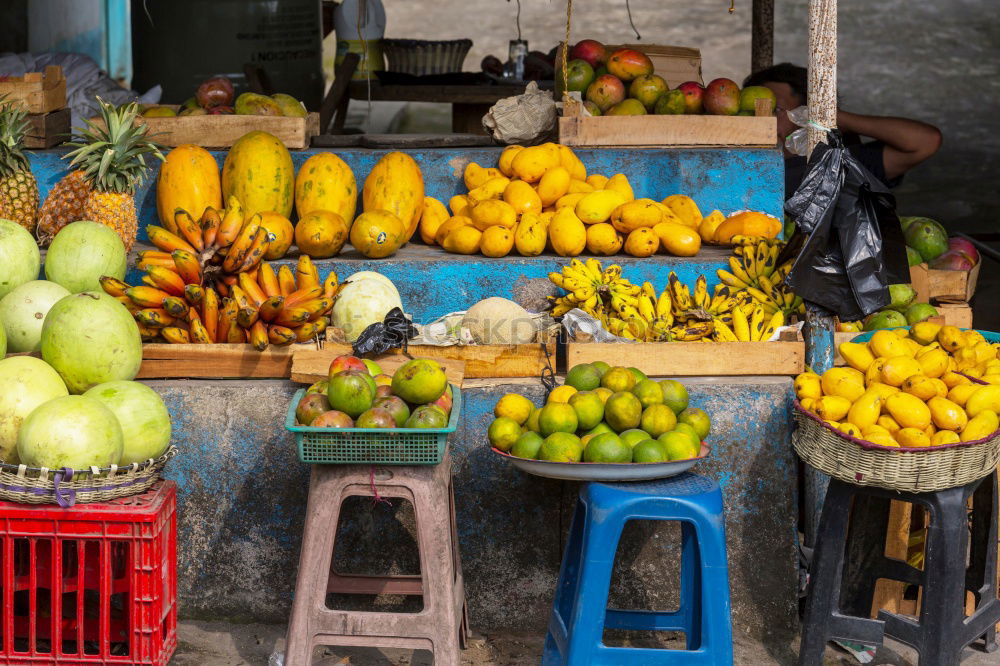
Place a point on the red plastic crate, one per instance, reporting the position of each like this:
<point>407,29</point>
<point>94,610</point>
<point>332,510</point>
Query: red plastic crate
<point>92,584</point>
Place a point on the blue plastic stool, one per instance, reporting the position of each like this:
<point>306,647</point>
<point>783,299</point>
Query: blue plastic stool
<point>580,613</point>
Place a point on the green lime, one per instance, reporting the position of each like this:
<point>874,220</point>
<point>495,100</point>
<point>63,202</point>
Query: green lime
<point>690,431</point>
<point>503,433</point>
<point>599,429</point>
<point>589,409</point>
<point>634,436</point>
<point>622,411</point>
<point>648,392</point>
<point>532,422</point>
<point>583,377</point>
<point>601,367</point>
<point>638,374</point>
<point>527,445</point>
<point>675,395</point>
<point>698,420</point>
<point>618,379</point>
<point>607,448</point>
<point>678,445</point>
<point>561,447</point>
<point>649,451</point>
<point>557,417</point>
<point>657,419</point>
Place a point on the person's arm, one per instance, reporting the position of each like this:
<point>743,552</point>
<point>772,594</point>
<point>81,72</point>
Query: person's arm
<point>907,142</point>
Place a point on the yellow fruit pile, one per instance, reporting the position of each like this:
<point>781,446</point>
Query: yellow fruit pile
<point>540,198</point>
<point>755,269</point>
<point>905,389</point>
<point>678,313</point>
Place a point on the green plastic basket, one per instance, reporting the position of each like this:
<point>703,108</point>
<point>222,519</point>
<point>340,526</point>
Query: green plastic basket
<point>360,446</point>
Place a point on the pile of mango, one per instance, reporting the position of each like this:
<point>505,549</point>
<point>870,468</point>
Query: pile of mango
<point>910,388</point>
<point>541,198</point>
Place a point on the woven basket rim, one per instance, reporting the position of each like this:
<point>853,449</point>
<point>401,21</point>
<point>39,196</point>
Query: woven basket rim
<point>871,446</point>
<point>113,470</point>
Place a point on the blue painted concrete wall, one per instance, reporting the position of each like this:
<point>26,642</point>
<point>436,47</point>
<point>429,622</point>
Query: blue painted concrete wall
<point>242,495</point>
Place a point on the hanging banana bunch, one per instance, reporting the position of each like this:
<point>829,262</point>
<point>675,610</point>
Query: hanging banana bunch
<point>755,270</point>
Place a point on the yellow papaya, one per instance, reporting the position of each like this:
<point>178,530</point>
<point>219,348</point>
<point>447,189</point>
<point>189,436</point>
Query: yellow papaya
<point>258,171</point>
<point>189,179</point>
<point>395,184</point>
<point>325,182</point>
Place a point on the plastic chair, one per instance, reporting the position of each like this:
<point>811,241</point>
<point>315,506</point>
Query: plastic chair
<point>850,557</point>
<point>580,613</point>
<point>441,626</point>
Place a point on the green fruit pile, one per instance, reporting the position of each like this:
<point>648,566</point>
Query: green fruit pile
<point>602,414</point>
<point>357,394</point>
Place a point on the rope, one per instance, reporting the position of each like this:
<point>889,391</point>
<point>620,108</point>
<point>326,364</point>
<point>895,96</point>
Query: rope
<point>565,52</point>
<point>628,9</point>
<point>548,375</point>
<point>376,498</point>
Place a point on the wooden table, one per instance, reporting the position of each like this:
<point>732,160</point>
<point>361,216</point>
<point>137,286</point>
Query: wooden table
<point>469,102</point>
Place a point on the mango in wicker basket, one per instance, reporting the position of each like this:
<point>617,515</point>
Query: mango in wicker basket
<point>980,426</point>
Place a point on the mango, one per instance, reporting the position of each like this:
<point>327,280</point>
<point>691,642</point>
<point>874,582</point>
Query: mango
<point>933,363</point>
<point>925,332</point>
<point>709,224</point>
<point>597,181</point>
<point>857,355</point>
<point>982,399</point>
<point>554,185</point>
<point>506,158</point>
<point>684,208</point>
<point>570,200</point>
<point>908,411</point>
<point>913,437</point>
<point>431,219</point>
<point>951,338</point>
<point>973,338</point>
<point>980,426</point>
<point>960,394</point>
<point>874,373</point>
<point>883,390</point>
<point>530,235</point>
<point>597,207</point>
<point>491,189</point>
<point>567,233</point>
<point>475,175</point>
<point>579,187</point>
<point>945,437</point>
<point>569,161</point>
<point>866,409</point>
<point>449,225</point>
<point>522,197</point>
<point>493,212</point>
<point>888,423</point>
<point>463,240</point>
<point>808,404</point>
<point>807,385</point>
<point>897,369</point>
<point>636,214</point>
<point>832,407</point>
<point>849,429</point>
<point>678,240</point>
<point>887,344</point>
<point>460,205</point>
<point>619,183</point>
<point>946,414</point>
<point>603,240</point>
<point>880,437</point>
<point>497,241</point>
<point>920,386</point>
<point>531,163</point>
<point>844,382</point>
<point>643,242</point>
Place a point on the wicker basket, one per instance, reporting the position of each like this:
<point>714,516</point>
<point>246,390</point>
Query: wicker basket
<point>66,487</point>
<point>421,57</point>
<point>917,470</point>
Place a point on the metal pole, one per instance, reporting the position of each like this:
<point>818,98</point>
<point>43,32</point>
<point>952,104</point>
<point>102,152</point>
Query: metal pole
<point>823,110</point>
<point>762,35</point>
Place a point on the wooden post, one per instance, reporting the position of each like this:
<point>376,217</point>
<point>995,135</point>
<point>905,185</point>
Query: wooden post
<point>762,35</point>
<point>823,110</point>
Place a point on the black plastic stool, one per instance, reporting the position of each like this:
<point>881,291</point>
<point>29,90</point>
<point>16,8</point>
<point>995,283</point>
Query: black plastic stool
<point>850,557</point>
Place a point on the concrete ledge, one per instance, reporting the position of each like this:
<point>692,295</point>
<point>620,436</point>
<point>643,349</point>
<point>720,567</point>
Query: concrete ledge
<point>243,495</point>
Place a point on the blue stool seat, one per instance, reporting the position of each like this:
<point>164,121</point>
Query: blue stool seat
<point>579,611</point>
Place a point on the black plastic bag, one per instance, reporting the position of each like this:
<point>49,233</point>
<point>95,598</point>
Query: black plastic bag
<point>848,239</point>
<point>392,332</point>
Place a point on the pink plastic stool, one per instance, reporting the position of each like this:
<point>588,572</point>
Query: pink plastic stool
<point>441,626</point>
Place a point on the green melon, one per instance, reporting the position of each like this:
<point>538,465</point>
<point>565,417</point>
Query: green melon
<point>927,237</point>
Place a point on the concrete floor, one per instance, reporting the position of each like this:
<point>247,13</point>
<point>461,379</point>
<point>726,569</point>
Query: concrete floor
<point>219,644</point>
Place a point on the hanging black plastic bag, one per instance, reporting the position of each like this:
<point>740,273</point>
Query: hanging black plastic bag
<point>848,240</point>
<point>392,332</point>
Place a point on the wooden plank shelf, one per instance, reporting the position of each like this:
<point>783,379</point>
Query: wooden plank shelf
<point>223,131</point>
<point>694,359</point>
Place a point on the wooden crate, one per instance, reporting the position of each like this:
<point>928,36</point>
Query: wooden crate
<point>692,359</point>
<point>480,361</point>
<point>48,129</point>
<point>37,92</point>
<point>311,365</point>
<point>933,286</point>
<point>166,361</point>
<point>760,131</point>
<point>224,131</point>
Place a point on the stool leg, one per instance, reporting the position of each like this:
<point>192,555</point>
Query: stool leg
<point>823,597</point>
<point>315,560</point>
<point>601,534</point>
<point>711,617</point>
<point>943,605</point>
<point>982,578</point>
<point>566,589</point>
<point>691,587</point>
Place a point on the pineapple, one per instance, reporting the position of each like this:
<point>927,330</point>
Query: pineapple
<point>63,205</point>
<point>112,159</point>
<point>18,189</point>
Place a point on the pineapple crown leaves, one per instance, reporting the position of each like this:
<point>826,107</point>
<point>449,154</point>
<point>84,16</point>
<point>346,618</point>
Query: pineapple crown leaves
<point>13,126</point>
<point>112,152</point>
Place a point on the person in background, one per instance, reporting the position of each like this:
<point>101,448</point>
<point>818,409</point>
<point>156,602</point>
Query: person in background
<point>898,144</point>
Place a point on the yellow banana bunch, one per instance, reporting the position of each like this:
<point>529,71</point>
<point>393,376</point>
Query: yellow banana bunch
<point>754,270</point>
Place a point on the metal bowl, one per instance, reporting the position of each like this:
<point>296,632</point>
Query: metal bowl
<point>583,471</point>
